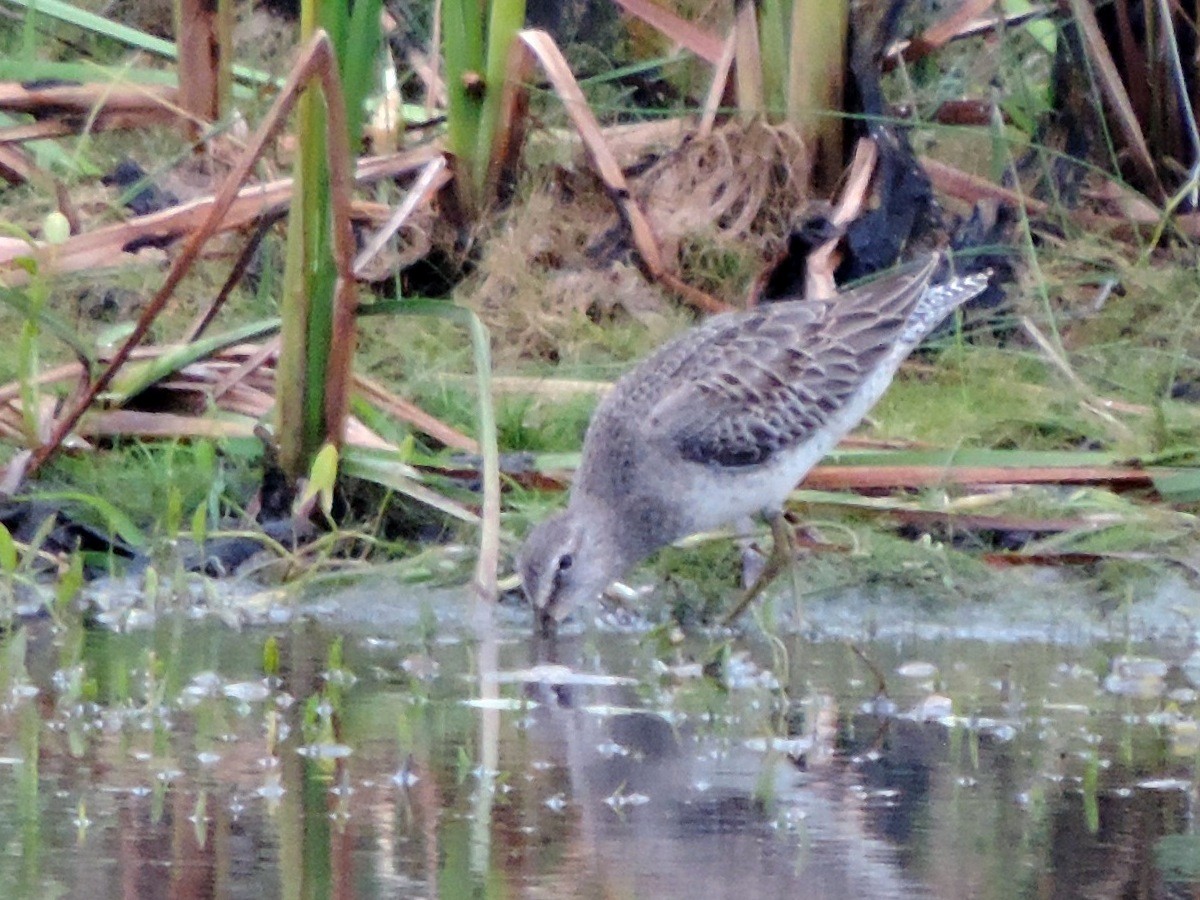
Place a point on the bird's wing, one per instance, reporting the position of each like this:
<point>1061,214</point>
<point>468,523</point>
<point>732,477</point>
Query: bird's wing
<point>767,381</point>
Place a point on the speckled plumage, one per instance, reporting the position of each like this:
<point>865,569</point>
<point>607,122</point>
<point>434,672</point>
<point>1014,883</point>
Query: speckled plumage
<point>723,421</point>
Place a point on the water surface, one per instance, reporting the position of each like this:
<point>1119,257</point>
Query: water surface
<point>394,753</point>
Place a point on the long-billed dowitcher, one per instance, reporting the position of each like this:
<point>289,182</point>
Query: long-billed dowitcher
<point>722,422</point>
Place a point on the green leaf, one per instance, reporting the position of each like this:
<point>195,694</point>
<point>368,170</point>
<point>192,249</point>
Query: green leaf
<point>358,55</point>
<point>322,478</point>
<point>8,551</point>
<point>270,660</point>
<point>24,303</point>
<point>336,659</point>
<point>12,660</point>
<point>1041,30</point>
<point>206,459</point>
<point>489,534</point>
<point>1177,485</point>
<point>46,526</point>
<point>200,523</point>
<point>150,585</point>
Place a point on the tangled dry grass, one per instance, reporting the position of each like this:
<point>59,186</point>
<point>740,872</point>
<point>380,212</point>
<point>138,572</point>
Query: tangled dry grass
<point>560,255</point>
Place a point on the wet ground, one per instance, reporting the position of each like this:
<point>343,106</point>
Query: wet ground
<point>374,746</point>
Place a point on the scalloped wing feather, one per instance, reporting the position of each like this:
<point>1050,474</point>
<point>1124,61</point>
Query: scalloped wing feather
<point>768,381</point>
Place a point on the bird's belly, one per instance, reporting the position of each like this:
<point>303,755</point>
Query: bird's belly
<point>721,495</point>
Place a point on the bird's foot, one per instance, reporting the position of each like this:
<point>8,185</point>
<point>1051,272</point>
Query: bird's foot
<point>783,552</point>
<point>754,561</point>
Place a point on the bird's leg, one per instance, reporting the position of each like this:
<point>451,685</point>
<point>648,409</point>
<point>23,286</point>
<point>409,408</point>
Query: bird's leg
<point>753,558</point>
<point>783,553</point>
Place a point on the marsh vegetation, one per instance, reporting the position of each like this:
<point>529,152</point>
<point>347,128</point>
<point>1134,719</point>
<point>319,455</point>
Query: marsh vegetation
<point>308,309</point>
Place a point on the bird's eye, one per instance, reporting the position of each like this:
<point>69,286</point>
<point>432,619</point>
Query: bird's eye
<point>565,562</point>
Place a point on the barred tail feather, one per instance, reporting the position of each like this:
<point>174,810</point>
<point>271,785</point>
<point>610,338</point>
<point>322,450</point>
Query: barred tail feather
<point>939,301</point>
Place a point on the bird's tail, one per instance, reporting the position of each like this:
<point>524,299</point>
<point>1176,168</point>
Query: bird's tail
<point>939,301</point>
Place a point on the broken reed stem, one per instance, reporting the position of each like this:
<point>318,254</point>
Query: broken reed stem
<point>543,49</point>
<point>345,295</point>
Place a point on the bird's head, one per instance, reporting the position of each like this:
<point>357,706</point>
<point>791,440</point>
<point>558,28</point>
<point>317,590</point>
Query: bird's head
<point>569,559</point>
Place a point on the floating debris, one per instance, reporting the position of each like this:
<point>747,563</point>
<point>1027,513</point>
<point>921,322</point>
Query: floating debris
<point>611,749</point>
<point>932,708</point>
<point>916,669</point>
<point>504,704</point>
<point>247,691</point>
<point>405,778</point>
<point>325,751</point>
<point>273,790</point>
<point>619,800</point>
<point>794,747</point>
<point>1166,784</point>
<point>555,675</point>
<point>1136,676</point>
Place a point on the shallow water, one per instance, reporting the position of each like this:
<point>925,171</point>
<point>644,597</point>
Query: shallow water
<point>881,758</point>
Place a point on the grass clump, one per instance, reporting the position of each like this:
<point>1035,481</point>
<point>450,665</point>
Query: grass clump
<point>700,582</point>
<point>144,479</point>
<point>975,397</point>
<point>525,424</point>
<point>885,563</point>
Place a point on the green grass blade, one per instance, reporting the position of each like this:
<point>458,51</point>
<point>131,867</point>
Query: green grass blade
<point>125,34</point>
<point>15,70</point>
<point>138,376</point>
<point>8,551</point>
<point>359,60</point>
<point>294,303</point>
<point>390,472</point>
<point>972,457</point>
